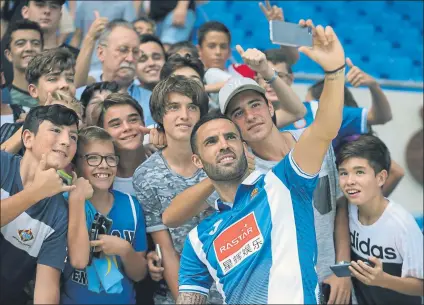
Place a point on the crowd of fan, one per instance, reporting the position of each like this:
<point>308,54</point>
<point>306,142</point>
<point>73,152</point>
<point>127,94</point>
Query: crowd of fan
<point>166,145</point>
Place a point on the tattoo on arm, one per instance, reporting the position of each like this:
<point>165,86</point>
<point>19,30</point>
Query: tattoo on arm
<point>191,298</point>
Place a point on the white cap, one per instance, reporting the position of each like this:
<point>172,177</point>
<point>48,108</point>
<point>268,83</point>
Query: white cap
<point>236,85</point>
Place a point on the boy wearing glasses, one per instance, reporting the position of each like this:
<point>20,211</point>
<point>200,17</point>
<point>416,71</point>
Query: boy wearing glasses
<point>97,162</point>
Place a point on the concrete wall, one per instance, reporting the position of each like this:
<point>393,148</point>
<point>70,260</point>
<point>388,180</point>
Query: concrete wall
<point>396,134</point>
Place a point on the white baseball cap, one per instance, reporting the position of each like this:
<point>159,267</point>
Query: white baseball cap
<point>236,85</point>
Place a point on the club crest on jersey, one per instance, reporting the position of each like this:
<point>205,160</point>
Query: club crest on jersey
<point>25,235</point>
<point>237,242</point>
<point>254,193</point>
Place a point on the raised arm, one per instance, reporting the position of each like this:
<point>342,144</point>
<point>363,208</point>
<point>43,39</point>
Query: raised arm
<point>312,146</point>
<point>82,66</point>
<point>380,112</point>
<point>396,174</point>
<point>292,108</point>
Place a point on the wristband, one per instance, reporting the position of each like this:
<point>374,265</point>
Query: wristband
<point>337,70</point>
<point>273,78</point>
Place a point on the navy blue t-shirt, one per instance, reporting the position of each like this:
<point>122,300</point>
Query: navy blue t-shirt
<point>37,236</point>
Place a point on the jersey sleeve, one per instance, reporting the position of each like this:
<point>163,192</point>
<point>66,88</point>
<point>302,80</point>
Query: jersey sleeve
<point>53,250</point>
<point>140,242</point>
<point>5,159</point>
<point>193,276</point>
<point>151,204</point>
<point>354,121</point>
<point>294,178</point>
<point>411,250</point>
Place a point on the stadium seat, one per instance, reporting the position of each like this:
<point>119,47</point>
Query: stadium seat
<point>384,38</point>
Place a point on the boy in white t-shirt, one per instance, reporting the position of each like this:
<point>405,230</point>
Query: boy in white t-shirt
<point>381,231</point>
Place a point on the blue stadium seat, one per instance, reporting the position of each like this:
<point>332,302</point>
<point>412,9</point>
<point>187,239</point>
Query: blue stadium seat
<point>384,38</point>
<point>237,37</point>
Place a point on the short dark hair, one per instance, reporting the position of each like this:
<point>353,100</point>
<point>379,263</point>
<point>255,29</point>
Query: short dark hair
<point>177,61</point>
<point>183,45</point>
<point>367,147</point>
<point>146,20</point>
<point>22,25</point>
<point>56,114</point>
<point>90,134</point>
<point>116,99</point>
<point>317,88</point>
<point>212,26</point>
<point>88,92</point>
<point>277,56</point>
<point>213,115</point>
<point>61,2</point>
<point>176,84</point>
<point>145,38</point>
<point>48,61</point>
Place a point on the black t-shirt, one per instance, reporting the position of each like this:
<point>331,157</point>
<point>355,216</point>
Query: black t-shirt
<point>159,9</point>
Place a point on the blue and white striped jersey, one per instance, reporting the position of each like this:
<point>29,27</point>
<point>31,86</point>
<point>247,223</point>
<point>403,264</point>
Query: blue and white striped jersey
<point>261,249</point>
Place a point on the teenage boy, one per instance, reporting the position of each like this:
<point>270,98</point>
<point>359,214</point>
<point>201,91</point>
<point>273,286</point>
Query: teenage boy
<point>47,14</point>
<point>185,65</point>
<point>145,25</point>
<point>92,96</point>
<point>96,161</point>
<point>24,42</point>
<point>151,61</point>
<point>122,117</point>
<point>177,104</point>
<point>382,232</point>
<point>34,215</point>
<point>47,72</point>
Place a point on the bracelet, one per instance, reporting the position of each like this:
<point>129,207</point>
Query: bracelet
<point>273,78</point>
<point>337,70</point>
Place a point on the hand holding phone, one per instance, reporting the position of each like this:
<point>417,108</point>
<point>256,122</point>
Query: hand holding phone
<point>342,270</point>
<point>290,34</point>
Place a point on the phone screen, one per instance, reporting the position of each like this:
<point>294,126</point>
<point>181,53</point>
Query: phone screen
<point>159,253</point>
<point>289,34</point>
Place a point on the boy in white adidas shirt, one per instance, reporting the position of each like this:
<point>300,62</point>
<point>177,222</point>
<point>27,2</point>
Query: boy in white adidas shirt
<point>382,232</point>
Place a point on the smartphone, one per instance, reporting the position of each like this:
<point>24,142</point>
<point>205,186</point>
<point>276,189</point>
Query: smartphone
<point>289,34</point>
<point>325,293</point>
<point>67,179</point>
<point>342,270</point>
<point>159,253</point>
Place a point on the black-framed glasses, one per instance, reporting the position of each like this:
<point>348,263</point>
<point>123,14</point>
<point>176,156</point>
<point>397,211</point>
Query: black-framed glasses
<point>96,160</point>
